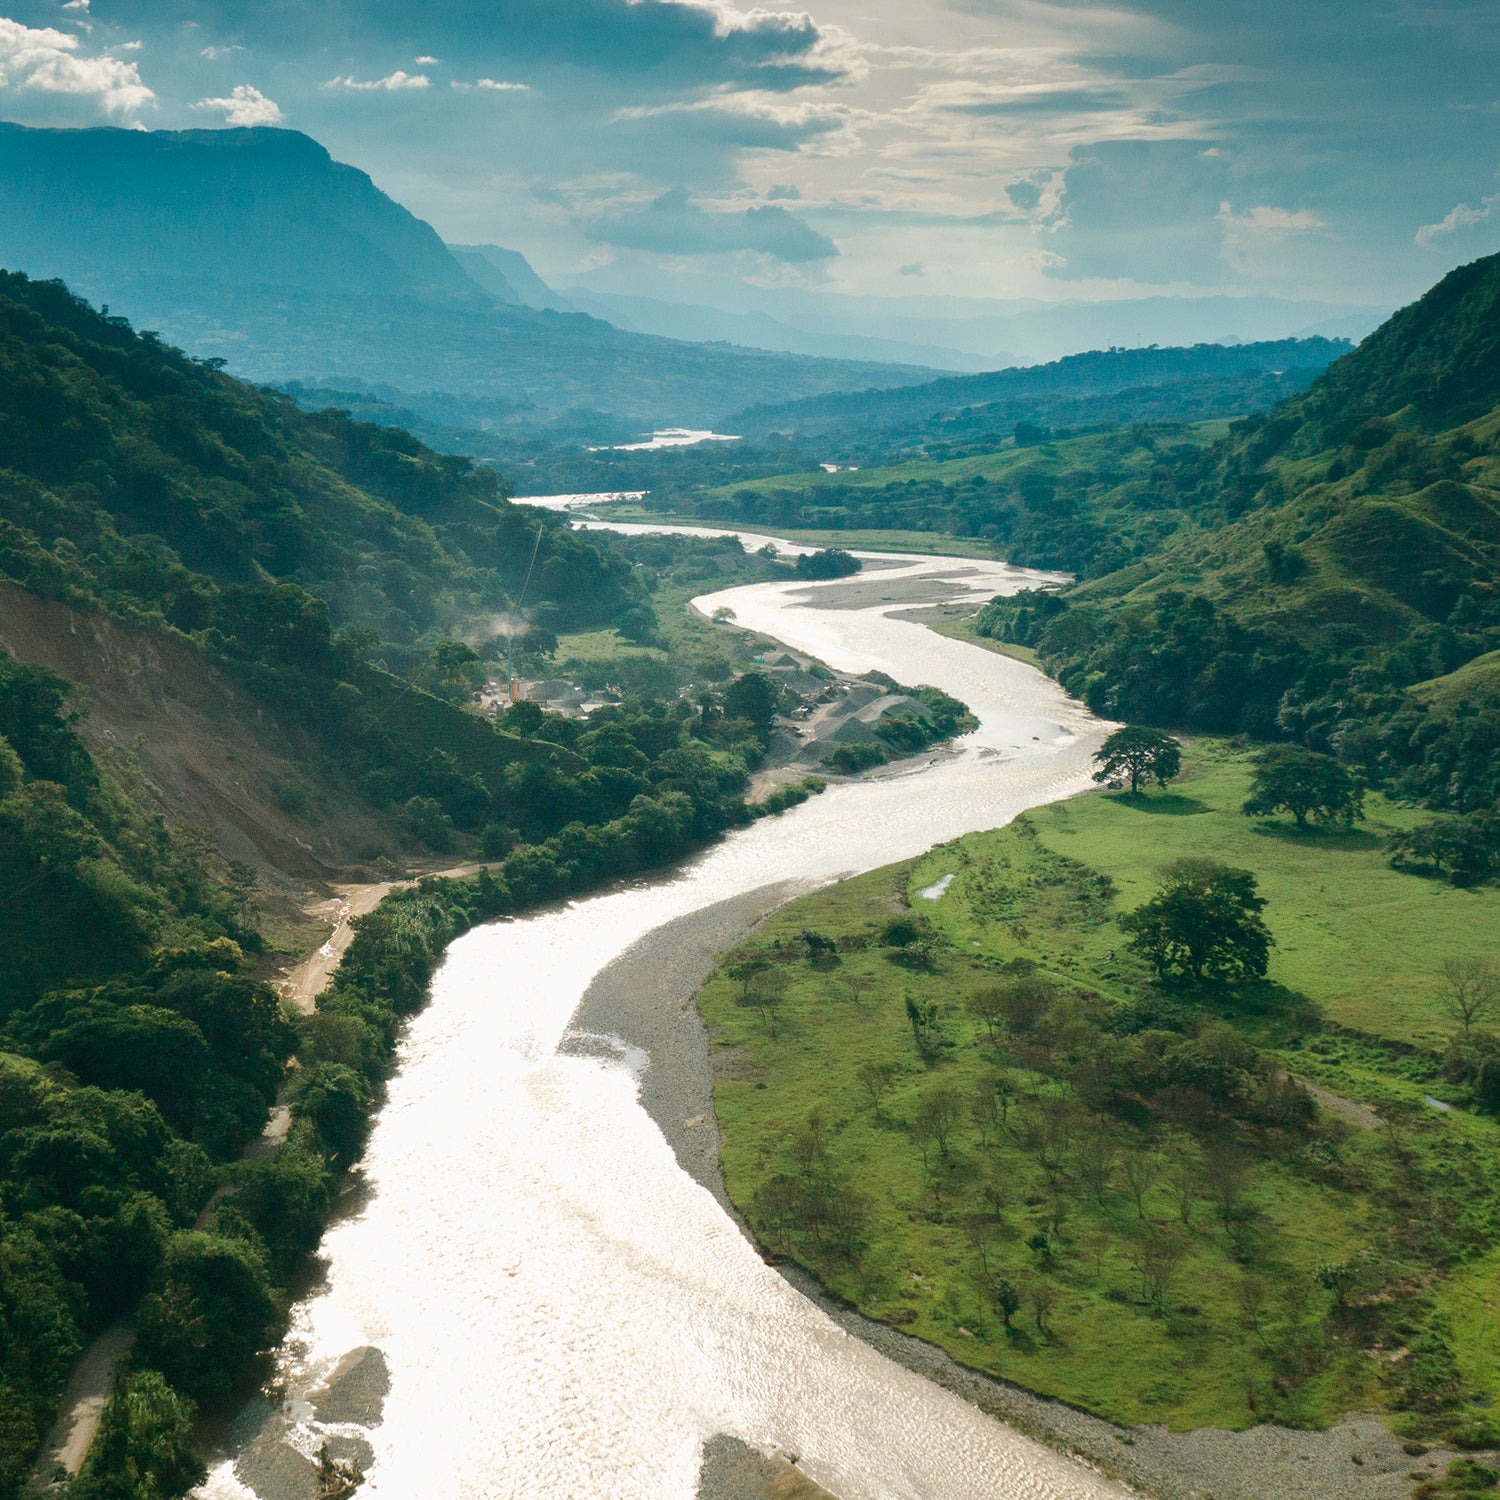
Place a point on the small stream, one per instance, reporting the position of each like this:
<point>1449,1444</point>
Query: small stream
<point>564,1313</point>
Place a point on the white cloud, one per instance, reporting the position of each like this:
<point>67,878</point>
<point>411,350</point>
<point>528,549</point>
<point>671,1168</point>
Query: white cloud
<point>425,62</point>
<point>48,62</point>
<point>75,4</point>
<point>1268,220</point>
<point>389,84</point>
<point>218,54</point>
<point>496,85</point>
<point>245,106</point>
<point>1461,216</point>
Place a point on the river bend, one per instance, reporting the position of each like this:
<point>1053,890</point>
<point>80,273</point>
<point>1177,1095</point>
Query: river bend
<point>564,1312</point>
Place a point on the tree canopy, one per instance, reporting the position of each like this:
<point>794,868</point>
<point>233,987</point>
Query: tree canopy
<point>1135,754</point>
<point>1203,925</point>
<point>1290,779</point>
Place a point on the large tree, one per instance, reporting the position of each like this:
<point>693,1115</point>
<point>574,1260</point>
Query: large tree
<point>1290,779</point>
<point>1136,754</point>
<point>754,696</point>
<point>1203,925</point>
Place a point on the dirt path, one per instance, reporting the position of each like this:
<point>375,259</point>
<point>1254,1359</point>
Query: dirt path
<point>83,1402</point>
<point>303,984</point>
<point>93,1377</point>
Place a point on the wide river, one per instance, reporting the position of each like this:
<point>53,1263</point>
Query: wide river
<point>565,1313</point>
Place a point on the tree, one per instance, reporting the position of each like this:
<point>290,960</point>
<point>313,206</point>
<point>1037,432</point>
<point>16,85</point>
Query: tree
<point>876,1079</point>
<point>935,1119</point>
<point>753,696</point>
<point>1203,924</point>
<point>1136,754</point>
<point>1471,990</point>
<point>1139,1170</point>
<point>145,1449</point>
<point>1042,1296</point>
<point>765,990</point>
<point>1156,1257</point>
<point>1095,1159</point>
<point>1290,779</point>
<point>1340,1278</point>
<point>1006,1296</point>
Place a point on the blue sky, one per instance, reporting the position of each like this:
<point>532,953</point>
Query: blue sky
<point>1347,150</point>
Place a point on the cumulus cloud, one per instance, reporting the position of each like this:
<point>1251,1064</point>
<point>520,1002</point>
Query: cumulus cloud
<point>391,83</point>
<point>48,62</point>
<point>675,225</point>
<point>425,62</point>
<point>764,121</point>
<point>218,54</point>
<point>245,106</point>
<point>1460,217</point>
<point>1149,210</point>
<point>495,85</point>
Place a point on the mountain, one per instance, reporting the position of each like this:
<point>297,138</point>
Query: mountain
<point>255,246</point>
<point>238,208</point>
<point>232,668</point>
<point>761,330</point>
<point>508,275</point>
<point>989,331</point>
<point>1001,395</point>
<point>1322,562</point>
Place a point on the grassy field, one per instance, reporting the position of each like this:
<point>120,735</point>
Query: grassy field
<point>1163,1301</point>
<point>963,630</point>
<point>869,540</point>
<point>1361,941</point>
<point>1052,458</point>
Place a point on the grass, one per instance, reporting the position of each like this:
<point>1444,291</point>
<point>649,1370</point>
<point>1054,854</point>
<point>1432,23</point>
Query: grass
<point>867,540</point>
<point>1363,942</point>
<point>1052,458</point>
<point>963,630</point>
<point>1246,1332</point>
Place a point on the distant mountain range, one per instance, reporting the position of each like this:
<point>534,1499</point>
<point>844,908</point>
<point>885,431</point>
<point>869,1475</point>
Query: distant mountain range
<point>999,398</point>
<point>953,332</point>
<point>255,246</point>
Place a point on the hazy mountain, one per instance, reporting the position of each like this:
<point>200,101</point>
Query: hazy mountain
<point>992,398</point>
<point>507,274</point>
<point>760,330</point>
<point>255,246</point>
<point>995,331</point>
<point>245,208</point>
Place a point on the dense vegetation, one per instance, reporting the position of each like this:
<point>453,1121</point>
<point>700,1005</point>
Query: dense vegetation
<point>335,574</point>
<point>1328,576</point>
<point>137,1056</point>
<point>979,1114</point>
<point>943,424</point>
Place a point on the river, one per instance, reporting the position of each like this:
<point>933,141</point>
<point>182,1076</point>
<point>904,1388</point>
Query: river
<point>564,1312</point>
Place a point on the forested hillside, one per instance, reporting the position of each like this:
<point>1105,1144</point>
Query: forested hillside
<point>998,399</point>
<point>205,550</point>
<point>1331,576</point>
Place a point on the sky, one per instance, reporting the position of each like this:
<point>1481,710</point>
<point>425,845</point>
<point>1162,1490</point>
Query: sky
<point>1340,150</point>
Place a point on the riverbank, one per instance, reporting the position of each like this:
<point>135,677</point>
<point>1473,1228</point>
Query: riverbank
<point>645,999</point>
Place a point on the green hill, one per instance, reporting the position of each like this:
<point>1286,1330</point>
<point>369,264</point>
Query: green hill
<point>262,616</point>
<point>1326,558</point>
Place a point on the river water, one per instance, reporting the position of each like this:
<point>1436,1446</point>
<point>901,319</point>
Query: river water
<point>564,1312</point>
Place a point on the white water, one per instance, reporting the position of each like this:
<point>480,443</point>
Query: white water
<point>565,1313</point>
<point>672,437</point>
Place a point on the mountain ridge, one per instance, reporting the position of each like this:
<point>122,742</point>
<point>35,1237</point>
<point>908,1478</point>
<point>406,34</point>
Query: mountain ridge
<point>255,246</point>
